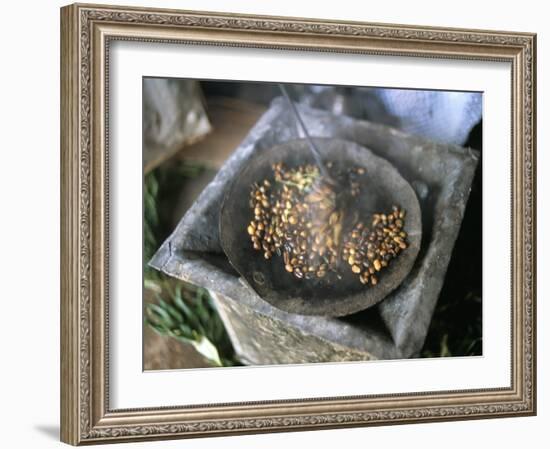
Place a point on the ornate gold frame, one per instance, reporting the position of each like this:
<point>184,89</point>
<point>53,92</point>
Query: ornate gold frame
<point>86,31</point>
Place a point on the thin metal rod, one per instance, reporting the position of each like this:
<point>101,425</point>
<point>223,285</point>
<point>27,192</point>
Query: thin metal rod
<point>312,147</point>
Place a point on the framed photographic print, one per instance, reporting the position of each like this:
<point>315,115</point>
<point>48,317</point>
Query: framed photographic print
<point>279,224</point>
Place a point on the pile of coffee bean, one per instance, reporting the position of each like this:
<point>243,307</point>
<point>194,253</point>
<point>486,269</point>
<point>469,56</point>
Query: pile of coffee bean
<point>295,219</point>
<point>295,216</point>
<point>368,250</point>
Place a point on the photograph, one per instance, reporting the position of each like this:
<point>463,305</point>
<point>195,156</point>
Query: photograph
<point>276,223</point>
<point>289,223</point>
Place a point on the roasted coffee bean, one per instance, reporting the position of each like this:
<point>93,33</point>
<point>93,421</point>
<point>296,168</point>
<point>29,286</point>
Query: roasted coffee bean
<point>296,217</point>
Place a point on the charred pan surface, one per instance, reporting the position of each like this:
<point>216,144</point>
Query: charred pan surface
<point>382,187</point>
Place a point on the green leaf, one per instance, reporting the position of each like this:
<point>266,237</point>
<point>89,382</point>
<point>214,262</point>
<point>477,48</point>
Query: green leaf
<point>208,350</point>
<point>444,346</point>
<point>187,331</point>
<point>203,313</point>
<point>162,314</point>
<point>189,314</point>
<point>152,285</point>
<point>171,310</point>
